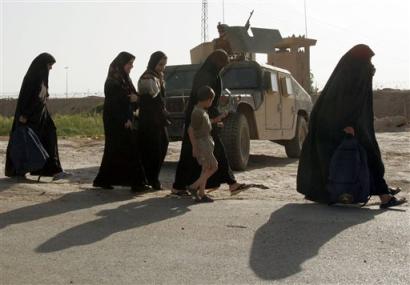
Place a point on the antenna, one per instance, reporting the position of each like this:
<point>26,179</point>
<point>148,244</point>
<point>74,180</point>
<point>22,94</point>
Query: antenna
<point>223,11</point>
<point>204,21</point>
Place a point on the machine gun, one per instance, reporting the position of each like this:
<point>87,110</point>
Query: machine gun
<point>248,24</point>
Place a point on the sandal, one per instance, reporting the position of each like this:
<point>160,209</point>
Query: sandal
<point>393,202</point>
<point>193,192</point>
<point>179,193</point>
<point>394,191</point>
<point>241,187</point>
<point>203,199</point>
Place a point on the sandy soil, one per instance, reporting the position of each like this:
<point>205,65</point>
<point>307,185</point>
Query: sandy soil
<point>269,168</point>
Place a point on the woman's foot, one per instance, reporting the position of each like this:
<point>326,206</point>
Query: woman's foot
<point>393,201</point>
<point>141,188</point>
<point>237,187</point>
<point>394,191</point>
<point>61,175</point>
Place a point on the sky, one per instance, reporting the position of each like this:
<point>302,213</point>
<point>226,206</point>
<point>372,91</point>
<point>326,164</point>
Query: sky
<point>85,36</point>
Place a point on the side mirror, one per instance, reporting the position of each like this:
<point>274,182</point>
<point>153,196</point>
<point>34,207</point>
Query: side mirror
<point>283,86</point>
<point>267,85</point>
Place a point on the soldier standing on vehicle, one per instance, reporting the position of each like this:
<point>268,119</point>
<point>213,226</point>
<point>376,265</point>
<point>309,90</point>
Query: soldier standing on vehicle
<point>222,42</point>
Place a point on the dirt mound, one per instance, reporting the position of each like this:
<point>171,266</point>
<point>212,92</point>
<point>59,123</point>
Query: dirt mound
<point>57,105</point>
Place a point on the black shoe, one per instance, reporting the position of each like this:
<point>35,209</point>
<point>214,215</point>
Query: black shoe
<point>156,185</point>
<point>393,202</point>
<point>141,188</point>
<point>103,186</point>
<point>394,191</point>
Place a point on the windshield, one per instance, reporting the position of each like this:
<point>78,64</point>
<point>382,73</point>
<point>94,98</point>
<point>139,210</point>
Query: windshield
<point>240,78</point>
<point>179,79</point>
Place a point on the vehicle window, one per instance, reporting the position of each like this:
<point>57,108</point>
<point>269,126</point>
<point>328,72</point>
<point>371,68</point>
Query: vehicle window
<point>274,81</point>
<point>289,85</point>
<point>240,78</point>
<point>179,79</point>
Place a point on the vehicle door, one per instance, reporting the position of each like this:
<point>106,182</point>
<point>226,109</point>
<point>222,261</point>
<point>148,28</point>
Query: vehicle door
<point>288,102</point>
<point>272,101</point>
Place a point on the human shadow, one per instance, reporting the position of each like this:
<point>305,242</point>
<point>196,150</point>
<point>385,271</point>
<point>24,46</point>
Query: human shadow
<point>66,203</point>
<point>131,215</point>
<point>8,182</point>
<point>296,232</point>
<point>258,161</point>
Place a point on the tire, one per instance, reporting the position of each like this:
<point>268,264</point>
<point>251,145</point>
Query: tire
<point>236,139</point>
<point>294,147</point>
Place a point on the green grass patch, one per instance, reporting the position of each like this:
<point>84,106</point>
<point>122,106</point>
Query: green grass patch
<point>84,125</point>
<point>5,125</point>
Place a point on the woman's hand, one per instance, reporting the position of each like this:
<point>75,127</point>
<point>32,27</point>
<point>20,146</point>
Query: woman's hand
<point>349,130</point>
<point>133,98</point>
<point>22,119</point>
<point>128,124</point>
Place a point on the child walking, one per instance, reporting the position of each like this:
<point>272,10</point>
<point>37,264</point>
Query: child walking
<point>199,133</point>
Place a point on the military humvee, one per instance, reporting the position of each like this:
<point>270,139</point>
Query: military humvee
<point>264,103</point>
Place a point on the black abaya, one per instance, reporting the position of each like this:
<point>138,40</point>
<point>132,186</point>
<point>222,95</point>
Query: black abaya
<point>34,108</point>
<point>346,101</point>
<point>152,132</point>
<point>120,164</point>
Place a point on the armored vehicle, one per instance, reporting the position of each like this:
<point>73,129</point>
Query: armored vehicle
<point>264,103</point>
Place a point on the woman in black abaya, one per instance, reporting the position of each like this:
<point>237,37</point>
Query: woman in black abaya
<point>121,163</point>
<point>31,110</point>
<point>188,169</point>
<point>152,132</point>
<point>345,106</point>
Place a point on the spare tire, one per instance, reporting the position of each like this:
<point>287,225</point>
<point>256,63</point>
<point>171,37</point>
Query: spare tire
<point>236,139</point>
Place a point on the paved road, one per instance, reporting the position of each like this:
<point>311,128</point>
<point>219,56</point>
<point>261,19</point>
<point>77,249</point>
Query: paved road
<point>94,237</point>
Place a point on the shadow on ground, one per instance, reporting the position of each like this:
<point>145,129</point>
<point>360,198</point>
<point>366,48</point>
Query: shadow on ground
<point>296,232</point>
<point>258,161</point>
<point>66,203</point>
<point>128,216</point>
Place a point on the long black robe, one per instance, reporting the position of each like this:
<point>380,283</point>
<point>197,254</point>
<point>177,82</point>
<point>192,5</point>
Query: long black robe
<point>188,169</point>
<point>34,108</point>
<point>121,164</point>
<point>346,100</point>
<point>152,132</point>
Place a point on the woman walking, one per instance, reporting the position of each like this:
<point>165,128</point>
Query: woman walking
<point>121,163</point>
<point>31,111</point>
<point>188,170</point>
<point>345,106</point>
<point>152,132</point>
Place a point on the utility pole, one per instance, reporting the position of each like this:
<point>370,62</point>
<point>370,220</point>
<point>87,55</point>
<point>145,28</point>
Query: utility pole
<point>204,21</point>
<point>66,81</point>
<point>306,33</point>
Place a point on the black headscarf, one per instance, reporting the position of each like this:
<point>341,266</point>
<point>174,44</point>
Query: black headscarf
<point>38,71</point>
<point>346,100</point>
<point>116,71</point>
<point>154,59</point>
<point>208,74</point>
